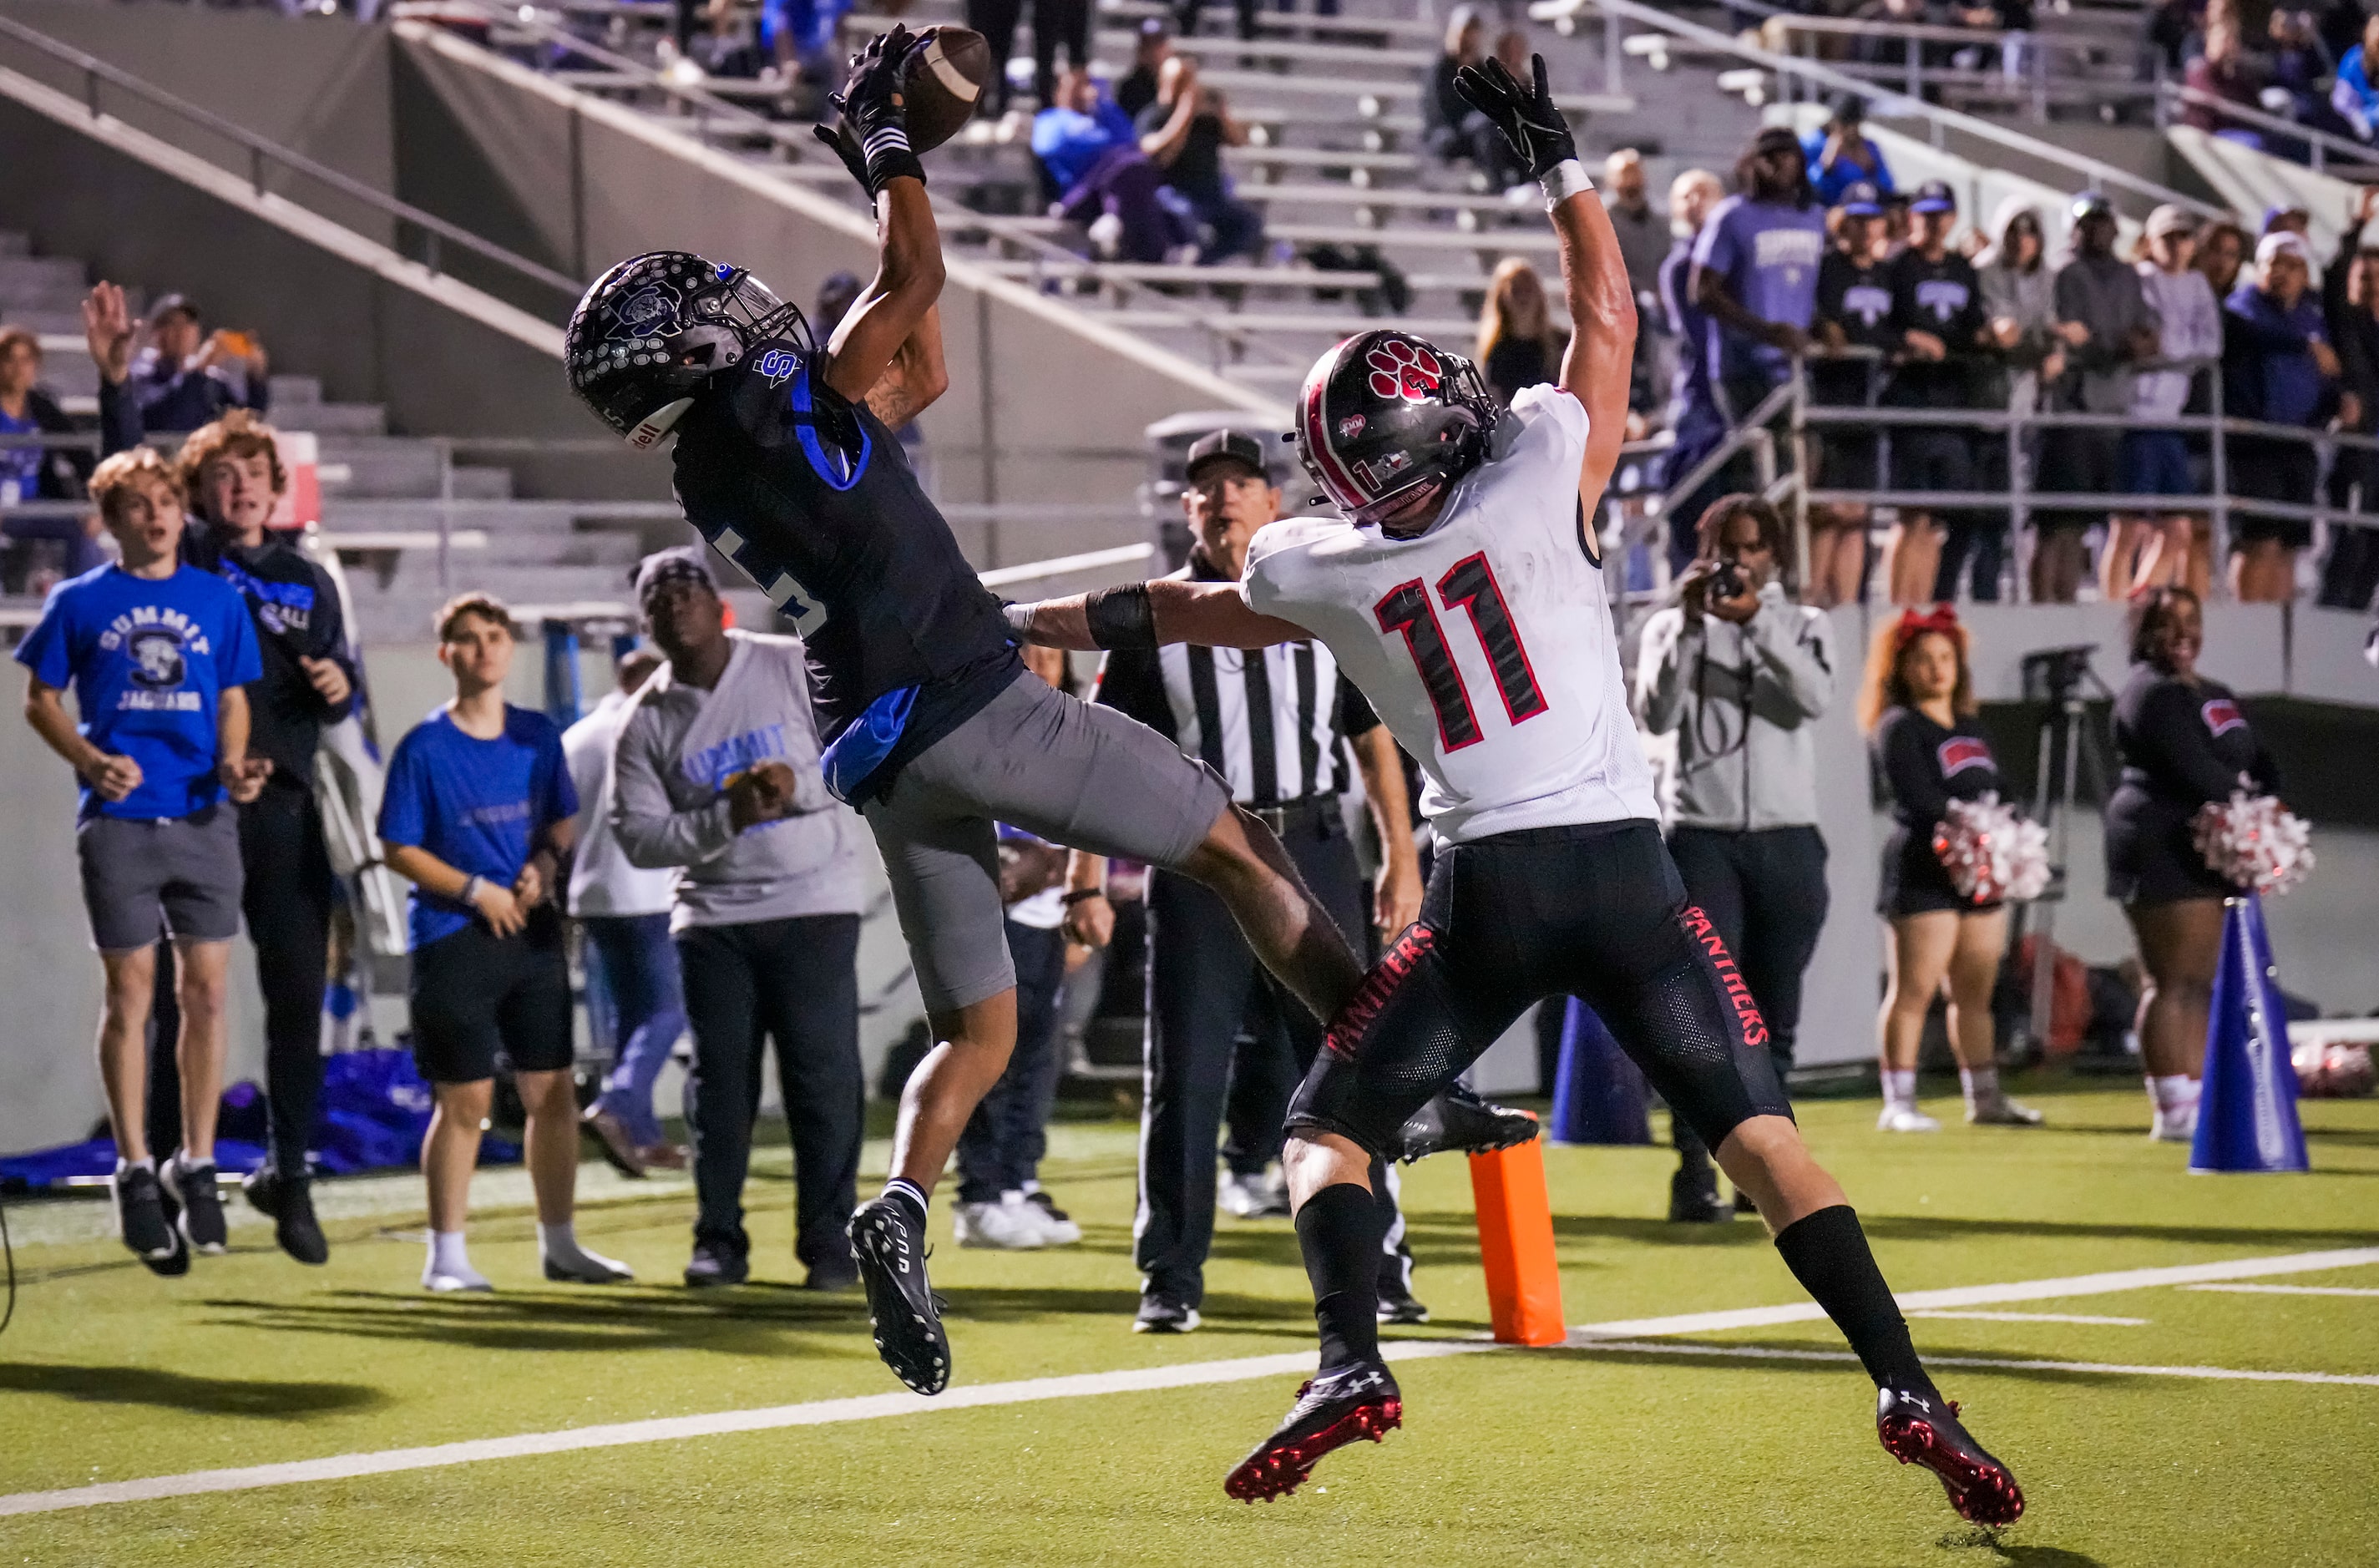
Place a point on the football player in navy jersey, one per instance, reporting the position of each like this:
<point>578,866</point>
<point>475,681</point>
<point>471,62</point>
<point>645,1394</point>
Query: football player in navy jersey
<point>787,464</point>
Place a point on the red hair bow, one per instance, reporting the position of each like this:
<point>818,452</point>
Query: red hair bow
<point>1941,617</point>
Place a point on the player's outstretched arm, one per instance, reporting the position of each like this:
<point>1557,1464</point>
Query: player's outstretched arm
<point>893,326</point>
<point>1594,274</point>
<point>1212,615</point>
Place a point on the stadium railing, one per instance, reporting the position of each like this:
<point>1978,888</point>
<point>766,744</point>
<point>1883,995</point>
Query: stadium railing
<point>2280,134</point>
<point>2035,70</point>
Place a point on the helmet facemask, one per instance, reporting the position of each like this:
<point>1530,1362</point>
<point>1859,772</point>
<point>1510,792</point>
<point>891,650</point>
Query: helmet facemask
<point>1386,420</point>
<point>654,330</point>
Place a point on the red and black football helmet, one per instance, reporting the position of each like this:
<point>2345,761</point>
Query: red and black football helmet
<point>1387,417</point>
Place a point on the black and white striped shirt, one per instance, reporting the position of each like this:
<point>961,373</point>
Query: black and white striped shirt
<point>1272,721</point>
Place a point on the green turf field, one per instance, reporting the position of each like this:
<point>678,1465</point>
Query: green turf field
<point>1661,1454</point>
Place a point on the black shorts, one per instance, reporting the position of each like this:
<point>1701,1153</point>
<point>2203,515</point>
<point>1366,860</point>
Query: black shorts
<point>2272,470</point>
<point>475,994</point>
<point>1914,881</point>
<point>1596,912</point>
<point>2150,857</point>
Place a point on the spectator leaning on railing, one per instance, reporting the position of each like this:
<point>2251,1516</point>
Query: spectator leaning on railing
<point>1854,312</point>
<point>1184,131</point>
<point>159,655</point>
<point>2277,366</point>
<point>1756,271</point>
<point>2103,316</point>
<point>2146,550</point>
<point>1936,308</point>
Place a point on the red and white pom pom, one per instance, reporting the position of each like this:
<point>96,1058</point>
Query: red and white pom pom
<point>2337,1070</point>
<point>1990,852</point>
<point>2254,841</point>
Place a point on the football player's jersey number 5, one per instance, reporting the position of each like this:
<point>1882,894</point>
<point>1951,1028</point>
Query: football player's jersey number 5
<point>1468,586</point>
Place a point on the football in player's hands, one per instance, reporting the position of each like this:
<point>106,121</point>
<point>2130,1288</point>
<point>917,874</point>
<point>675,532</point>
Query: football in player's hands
<point>932,80</point>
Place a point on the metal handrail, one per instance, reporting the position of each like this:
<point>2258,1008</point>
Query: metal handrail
<point>2100,174</point>
<point>2321,144</point>
<point>262,154</point>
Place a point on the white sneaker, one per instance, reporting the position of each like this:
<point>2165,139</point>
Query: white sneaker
<point>440,1282</point>
<point>1896,1118</point>
<point>2175,1127</point>
<point>1240,1197</point>
<point>2004,1112</point>
<point>1058,1228</point>
<point>998,1226</point>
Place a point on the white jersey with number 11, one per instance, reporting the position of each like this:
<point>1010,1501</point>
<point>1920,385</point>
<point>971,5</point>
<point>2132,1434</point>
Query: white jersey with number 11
<point>1486,644</point>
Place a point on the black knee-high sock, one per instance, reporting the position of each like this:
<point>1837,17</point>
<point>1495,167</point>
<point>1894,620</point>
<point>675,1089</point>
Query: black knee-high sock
<point>1339,1230</point>
<point>1827,1253</point>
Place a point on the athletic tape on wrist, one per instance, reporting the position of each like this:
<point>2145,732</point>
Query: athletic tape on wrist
<point>1564,180</point>
<point>885,150</point>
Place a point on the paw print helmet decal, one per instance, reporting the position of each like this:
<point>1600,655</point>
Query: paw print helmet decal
<point>1387,418</point>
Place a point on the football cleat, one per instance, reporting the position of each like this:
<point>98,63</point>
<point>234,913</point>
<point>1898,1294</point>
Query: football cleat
<point>901,1308</point>
<point>1915,1429</point>
<point>1333,1409</point>
<point>1459,1119</point>
<point>2004,1112</point>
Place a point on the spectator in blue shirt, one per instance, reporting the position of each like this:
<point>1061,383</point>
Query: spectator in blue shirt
<point>158,654</point>
<point>1839,155</point>
<point>184,379</point>
<point>2277,366</point>
<point>477,815</point>
<point>37,472</point>
<point>1080,126</point>
<point>1756,271</point>
<point>1099,177</point>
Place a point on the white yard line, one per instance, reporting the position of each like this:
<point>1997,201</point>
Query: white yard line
<point>2290,1289</point>
<point>1633,1334</point>
<point>2037,1318</point>
<point>1763,1352</point>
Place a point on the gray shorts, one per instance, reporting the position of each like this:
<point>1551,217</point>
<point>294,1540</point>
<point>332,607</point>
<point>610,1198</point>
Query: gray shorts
<point>1052,764</point>
<point>141,877</point>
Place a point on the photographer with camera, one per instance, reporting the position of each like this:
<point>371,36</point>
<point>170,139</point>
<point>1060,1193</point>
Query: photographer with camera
<point>1741,674</point>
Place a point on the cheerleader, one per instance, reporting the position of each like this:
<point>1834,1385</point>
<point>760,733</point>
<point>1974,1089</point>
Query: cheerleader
<point>2183,742</point>
<point>1918,710</point>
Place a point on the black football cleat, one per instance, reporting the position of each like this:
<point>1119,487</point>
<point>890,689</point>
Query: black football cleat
<point>1333,1409</point>
<point>1917,1430</point>
<point>1459,1119</point>
<point>1693,1199</point>
<point>194,1188</point>
<point>901,1308</point>
<point>146,1221</point>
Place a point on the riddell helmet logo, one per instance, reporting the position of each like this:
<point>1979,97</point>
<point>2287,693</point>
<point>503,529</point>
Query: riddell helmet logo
<point>1403,369</point>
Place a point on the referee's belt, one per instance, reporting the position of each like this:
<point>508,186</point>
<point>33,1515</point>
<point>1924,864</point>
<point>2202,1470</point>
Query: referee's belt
<point>1316,812</point>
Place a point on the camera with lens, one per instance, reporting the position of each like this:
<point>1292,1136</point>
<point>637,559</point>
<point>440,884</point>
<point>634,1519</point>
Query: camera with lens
<point>1727,583</point>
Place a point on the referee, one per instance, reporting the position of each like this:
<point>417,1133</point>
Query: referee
<point>1271,721</point>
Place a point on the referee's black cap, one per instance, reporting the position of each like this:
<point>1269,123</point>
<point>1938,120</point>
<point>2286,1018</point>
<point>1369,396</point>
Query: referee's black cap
<point>1217,446</point>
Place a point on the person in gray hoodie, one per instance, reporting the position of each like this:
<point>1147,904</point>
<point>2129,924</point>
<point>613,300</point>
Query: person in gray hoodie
<point>1741,673</point>
<point>716,771</point>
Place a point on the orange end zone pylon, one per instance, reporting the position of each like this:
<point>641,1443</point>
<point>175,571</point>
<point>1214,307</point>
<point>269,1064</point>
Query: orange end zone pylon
<point>1515,1245</point>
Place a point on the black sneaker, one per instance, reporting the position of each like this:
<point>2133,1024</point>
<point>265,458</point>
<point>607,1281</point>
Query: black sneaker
<point>902,1307</point>
<point>1398,1303</point>
<point>716,1264</point>
<point>141,1221</point>
<point>1918,1429</point>
<point>193,1186</point>
<point>1332,1410</point>
<point>294,1227</point>
<point>1162,1314</point>
<point>1459,1119</point>
<point>1693,1199</point>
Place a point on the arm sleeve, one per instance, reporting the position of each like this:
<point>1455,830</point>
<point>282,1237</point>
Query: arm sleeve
<point>1914,775</point>
<point>651,834</point>
<point>120,426</point>
<point>1131,682</point>
<point>1669,646</point>
<point>403,815</point>
<point>1795,652</point>
<point>327,631</point>
<point>1356,716</point>
<point>2176,746</point>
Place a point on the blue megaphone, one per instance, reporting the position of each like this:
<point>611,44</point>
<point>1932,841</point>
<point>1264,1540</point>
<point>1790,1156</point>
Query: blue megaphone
<point>2247,1105</point>
<point>1599,1095</point>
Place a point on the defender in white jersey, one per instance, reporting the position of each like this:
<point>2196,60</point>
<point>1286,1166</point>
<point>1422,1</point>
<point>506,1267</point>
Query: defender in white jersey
<point>1462,594</point>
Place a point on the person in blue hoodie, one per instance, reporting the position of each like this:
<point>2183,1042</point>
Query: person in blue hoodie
<point>2278,369</point>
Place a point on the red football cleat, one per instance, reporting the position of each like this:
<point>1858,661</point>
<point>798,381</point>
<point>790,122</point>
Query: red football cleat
<point>1332,1410</point>
<point>1917,1430</point>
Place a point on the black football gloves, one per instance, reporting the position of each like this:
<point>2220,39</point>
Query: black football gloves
<point>873,139</point>
<point>1526,115</point>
